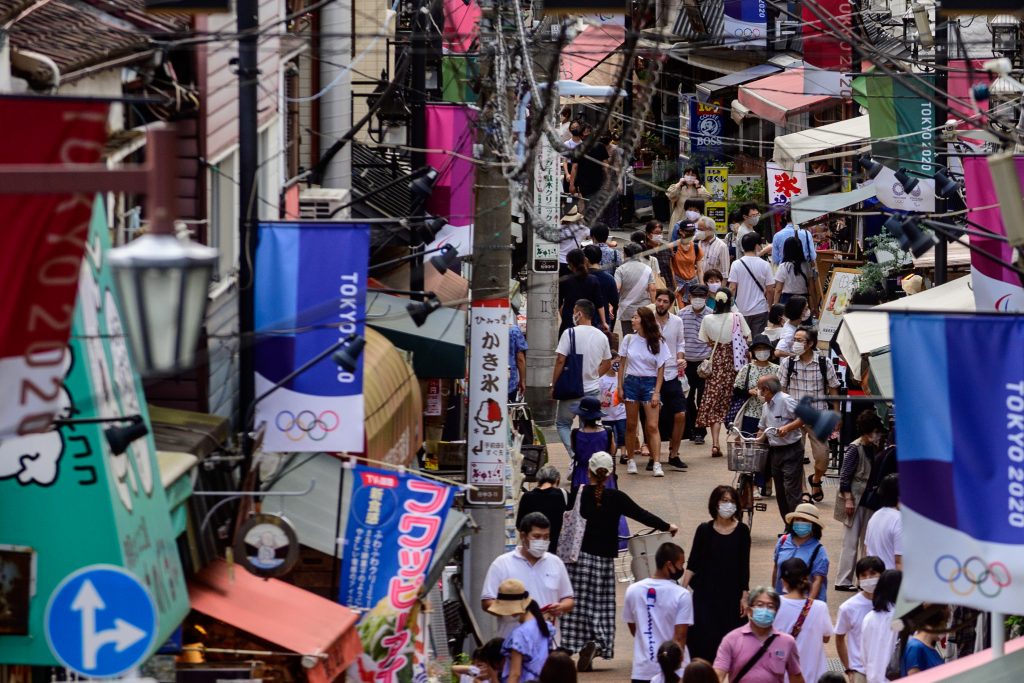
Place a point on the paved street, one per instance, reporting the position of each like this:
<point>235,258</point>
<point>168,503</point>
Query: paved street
<point>681,498</point>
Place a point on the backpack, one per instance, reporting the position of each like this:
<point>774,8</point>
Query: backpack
<point>822,366</point>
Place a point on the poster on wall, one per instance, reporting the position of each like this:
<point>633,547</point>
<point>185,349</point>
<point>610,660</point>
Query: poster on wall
<point>547,189</point>
<point>304,304</point>
<point>487,447</point>
<point>841,286</point>
<point>707,127</point>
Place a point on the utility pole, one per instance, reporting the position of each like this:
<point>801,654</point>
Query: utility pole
<point>941,146</point>
<point>487,419</point>
<point>247,17</point>
<point>418,103</point>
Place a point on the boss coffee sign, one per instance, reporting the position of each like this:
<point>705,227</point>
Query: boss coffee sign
<point>707,127</point>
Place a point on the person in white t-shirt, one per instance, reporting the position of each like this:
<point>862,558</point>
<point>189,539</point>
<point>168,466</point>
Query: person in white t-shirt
<point>657,609</point>
<point>851,616</point>
<point>752,284</point>
<point>877,638</point>
<point>884,535</point>
<point>641,374</point>
<point>804,618</point>
<point>592,344</point>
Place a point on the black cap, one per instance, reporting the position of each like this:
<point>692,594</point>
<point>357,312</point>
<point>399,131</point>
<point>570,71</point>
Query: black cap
<point>761,340</point>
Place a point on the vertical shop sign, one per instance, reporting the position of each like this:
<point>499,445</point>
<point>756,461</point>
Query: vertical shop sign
<point>88,504</point>
<point>784,186</point>
<point>391,529</point>
<point>488,402</point>
<point>451,128</point>
<point>433,406</point>
<point>43,239</point>
<point>716,180</point>
<point>746,23</point>
<point>304,304</point>
<point>707,124</point>
<point>547,187</point>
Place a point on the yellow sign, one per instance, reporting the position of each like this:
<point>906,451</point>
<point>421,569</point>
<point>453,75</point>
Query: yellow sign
<point>719,212</point>
<point>716,180</point>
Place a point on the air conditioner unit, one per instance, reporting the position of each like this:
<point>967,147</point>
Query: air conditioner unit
<point>319,203</point>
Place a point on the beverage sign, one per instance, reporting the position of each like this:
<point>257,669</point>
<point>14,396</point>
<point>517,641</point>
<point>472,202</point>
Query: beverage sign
<point>707,124</point>
<point>488,402</point>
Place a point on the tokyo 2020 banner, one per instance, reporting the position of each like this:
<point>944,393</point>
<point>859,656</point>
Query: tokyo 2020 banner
<point>959,390</point>
<point>310,293</point>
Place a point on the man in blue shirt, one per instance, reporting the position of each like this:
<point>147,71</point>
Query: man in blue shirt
<point>805,236</point>
<point>516,362</point>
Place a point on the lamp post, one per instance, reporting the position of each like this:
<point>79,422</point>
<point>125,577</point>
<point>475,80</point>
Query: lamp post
<point>163,281</point>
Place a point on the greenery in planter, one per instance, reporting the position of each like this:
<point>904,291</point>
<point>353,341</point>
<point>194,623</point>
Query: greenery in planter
<point>751,190</point>
<point>889,258</point>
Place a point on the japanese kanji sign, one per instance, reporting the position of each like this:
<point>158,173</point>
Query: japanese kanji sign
<point>547,187</point>
<point>784,186</point>
<point>488,401</point>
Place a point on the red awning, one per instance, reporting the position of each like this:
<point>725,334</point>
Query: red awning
<point>780,96</point>
<point>590,48</point>
<point>281,613</point>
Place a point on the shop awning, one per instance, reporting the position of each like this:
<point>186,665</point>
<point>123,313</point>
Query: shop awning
<point>281,613</point>
<point>185,431</point>
<point>807,208</point>
<point>590,48</point>
<point>392,401</point>
<point>777,97</point>
<point>795,147</point>
<point>726,84</point>
<point>864,337</point>
<point>174,475</point>
<point>438,347</point>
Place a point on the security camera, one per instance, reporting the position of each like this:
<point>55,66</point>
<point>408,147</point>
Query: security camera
<point>1000,67</point>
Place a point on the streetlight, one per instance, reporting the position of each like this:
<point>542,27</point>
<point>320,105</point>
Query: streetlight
<point>1005,35</point>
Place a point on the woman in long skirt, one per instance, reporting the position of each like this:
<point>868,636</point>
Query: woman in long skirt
<point>719,331</point>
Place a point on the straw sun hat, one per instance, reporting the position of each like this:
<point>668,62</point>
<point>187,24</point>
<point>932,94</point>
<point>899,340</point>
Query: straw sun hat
<point>512,599</point>
<point>805,511</point>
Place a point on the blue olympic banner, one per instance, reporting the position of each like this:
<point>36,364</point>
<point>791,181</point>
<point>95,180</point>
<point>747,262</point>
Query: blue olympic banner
<point>310,293</point>
<point>391,528</point>
<point>746,23</point>
<point>959,391</point>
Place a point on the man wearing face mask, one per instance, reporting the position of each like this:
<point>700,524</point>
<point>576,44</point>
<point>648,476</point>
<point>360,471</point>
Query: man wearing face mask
<point>542,573</point>
<point>696,350</point>
<point>756,651</point>
<point>673,401</point>
<point>657,609</point>
<point>749,217</point>
<point>785,449</point>
<point>716,254</point>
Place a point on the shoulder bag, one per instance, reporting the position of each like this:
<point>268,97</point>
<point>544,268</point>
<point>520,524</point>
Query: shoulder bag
<point>706,365</point>
<point>753,660</point>
<point>570,540</point>
<point>569,384</point>
<point>799,625</point>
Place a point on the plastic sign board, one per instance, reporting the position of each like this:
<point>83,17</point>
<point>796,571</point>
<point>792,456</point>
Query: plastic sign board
<point>101,622</point>
<point>487,445</point>
<point>547,189</point>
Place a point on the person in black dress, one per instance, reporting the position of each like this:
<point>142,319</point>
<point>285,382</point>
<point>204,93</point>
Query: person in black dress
<point>580,284</point>
<point>547,499</point>
<point>718,573</point>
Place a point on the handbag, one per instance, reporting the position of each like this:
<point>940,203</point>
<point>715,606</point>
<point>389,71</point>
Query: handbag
<point>570,540</point>
<point>569,384</point>
<point>739,344</point>
<point>706,365</point>
<point>799,625</point>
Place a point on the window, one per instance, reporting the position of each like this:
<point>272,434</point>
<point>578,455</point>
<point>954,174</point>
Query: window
<point>223,214</point>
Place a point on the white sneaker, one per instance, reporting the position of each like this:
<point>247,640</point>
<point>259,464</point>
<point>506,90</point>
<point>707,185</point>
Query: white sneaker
<point>658,472</point>
<point>631,467</point>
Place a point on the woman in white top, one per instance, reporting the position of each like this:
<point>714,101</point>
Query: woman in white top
<point>877,639</point>
<point>794,274</point>
<point>641,373</point>
<point>716,330</point>
<point>804,618</point>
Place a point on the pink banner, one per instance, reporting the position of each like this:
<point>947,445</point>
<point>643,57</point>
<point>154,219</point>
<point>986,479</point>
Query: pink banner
<point>451,128</point>
<point>461,25</point>
<point>996,287</point>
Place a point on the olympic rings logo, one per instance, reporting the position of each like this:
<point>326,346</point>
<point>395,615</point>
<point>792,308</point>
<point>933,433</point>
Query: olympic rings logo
<point>307,424</point>
<point>987,579</point>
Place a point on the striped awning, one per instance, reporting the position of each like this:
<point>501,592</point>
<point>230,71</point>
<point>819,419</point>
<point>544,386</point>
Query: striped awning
<point>392,403</point>
<point>713,12</point>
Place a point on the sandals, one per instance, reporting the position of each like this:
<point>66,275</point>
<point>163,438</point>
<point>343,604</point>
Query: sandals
<point>820,495</point>
<point>716,452</point>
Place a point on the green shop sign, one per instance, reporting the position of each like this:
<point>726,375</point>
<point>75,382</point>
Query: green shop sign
<point>66,501</point>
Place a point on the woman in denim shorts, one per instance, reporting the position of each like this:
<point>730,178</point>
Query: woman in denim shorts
<point>641,373</point>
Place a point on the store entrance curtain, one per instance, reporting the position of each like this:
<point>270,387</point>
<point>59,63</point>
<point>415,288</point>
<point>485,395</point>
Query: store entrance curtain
<point>310,293</point>
<point>961,457</point>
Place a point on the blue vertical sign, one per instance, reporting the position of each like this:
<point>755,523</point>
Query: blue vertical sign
<point>310,293</point>
<point>707,127</point>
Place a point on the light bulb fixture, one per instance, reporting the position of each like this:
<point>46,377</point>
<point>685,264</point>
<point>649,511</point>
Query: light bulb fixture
<point>821,422</point>
<point>420,310</point>
<point>347,357</point>
<point>870,167</point>
<point>944,185</point>
<point>910,235</point>
<point>422,186</point>
<point>119,438</point>
<point>447,259</point>
<point>923,25</point>
<point>908,182</point>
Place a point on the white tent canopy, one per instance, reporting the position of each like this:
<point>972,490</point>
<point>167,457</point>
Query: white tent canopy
<point>807,208</point>
<point>865,336</point>
<point>795,147</point>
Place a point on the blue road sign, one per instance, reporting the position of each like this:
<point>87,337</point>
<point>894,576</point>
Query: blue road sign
<point>101,621</point>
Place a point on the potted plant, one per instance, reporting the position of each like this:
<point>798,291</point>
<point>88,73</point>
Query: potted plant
<point>880,275</point>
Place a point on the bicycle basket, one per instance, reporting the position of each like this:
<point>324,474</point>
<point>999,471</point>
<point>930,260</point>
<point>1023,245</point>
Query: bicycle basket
<point>746,456</point>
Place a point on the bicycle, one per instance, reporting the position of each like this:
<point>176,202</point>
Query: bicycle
<point>747,456</point>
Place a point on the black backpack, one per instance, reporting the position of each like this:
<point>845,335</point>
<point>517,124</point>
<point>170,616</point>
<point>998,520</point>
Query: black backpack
<point>822,366</point>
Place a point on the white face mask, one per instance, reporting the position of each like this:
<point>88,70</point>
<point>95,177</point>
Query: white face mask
<point>701,235</point>
<point>714,286</point>
<point>686,240</point>
<point>798,348</point>
<point>751,220</point>
<point>868,585</point>
<point>698,305</point>
<point>575,320</point>
<point>537,548</point>
<point>692,215</point>
<point>762,354</point>
<point>657,239</point>
<point>726,510</point>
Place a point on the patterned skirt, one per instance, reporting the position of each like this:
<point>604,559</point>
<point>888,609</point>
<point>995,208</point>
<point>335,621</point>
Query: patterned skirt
<point>593,616</point>
<point>718,387</point>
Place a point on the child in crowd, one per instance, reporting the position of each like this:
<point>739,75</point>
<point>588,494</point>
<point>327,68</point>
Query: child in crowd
<point>670,661</point>
<point>526,648</point>
<point>487,664</point>
<point>851,614</point>
<point>613,408</point>
<point>588,439</point>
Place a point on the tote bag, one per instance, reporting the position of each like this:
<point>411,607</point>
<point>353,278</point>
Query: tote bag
<point>570,540</point>
<point>570,383</point>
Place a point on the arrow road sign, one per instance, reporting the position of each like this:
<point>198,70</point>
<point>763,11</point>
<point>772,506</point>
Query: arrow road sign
<point>101,621</point>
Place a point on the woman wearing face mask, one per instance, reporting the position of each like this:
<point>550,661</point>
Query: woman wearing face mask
<point>796,313</point>
<point>745,387</point>
<point>771,656</point>
<point>688,187</point>
<point>858,461</point>
<point>803,539</point>
<point>719,330</point>
<point>686,264</point>
<point>804,618</point>
<point>526,648</point>
<point>590,627</point>
<point>654,234</point>
<point>718,572</point>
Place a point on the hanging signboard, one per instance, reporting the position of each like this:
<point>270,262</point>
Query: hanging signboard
<point>487,447</point>
<point>784,186</point>
<point>88,504</point>
<point>304,304</point>
<point>746,23</point>
<point>707,125</point>
<point>841,287</point>
<point>547,187</point>
<point>391,526</point>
